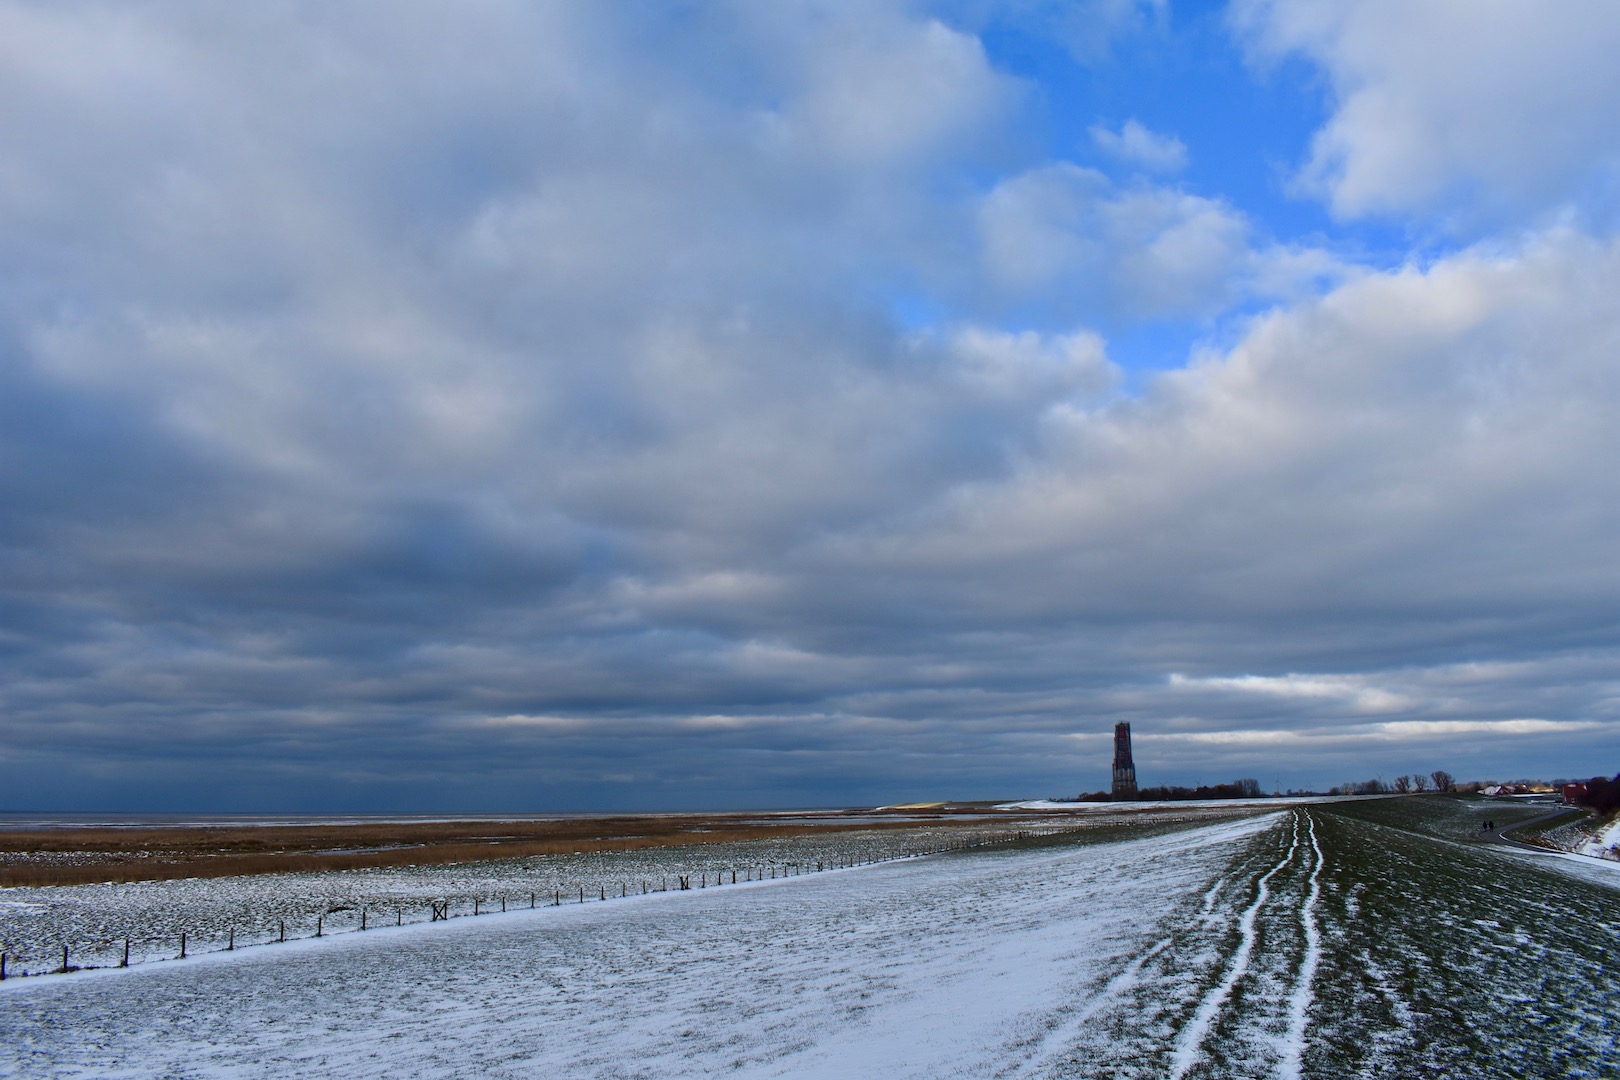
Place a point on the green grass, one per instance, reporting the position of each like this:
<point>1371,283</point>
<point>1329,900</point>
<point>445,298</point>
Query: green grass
<point>1447,956</point>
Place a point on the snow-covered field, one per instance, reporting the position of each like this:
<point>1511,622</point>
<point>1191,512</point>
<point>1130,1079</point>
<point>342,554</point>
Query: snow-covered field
<point>1301,943</point>
<point>94,921</point>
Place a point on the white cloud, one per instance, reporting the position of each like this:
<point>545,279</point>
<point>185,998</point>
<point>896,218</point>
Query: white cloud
<point>1426,440</point>
<point>1357,691</point>
<point>1072,238</point>
<point>1136,145</point>
<point>1454,107</point>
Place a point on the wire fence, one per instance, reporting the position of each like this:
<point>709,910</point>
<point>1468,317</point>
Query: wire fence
<point>61,956</point>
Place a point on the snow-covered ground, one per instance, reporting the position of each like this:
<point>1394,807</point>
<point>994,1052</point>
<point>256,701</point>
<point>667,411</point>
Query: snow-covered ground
<point>964,965</point>
<point>1605,844</point>
<point>1297,943</point>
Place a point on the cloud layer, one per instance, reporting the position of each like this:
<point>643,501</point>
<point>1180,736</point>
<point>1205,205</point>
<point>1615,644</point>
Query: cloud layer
<point>569,405</point>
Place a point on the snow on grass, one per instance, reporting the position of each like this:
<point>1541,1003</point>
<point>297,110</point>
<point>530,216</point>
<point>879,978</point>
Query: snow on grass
<point>1190,1045</point>
<point>1299,1002</point>
<point>1606,844</point>
<point>1341,940</point>
<point>924,968</point>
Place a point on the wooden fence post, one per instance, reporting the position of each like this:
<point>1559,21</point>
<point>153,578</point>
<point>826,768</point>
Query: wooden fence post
<point>230,945</point>
<point>2,967</point>
<point>64,960</point>
<point>362,918</point>
<point>283,930</point>
<point>319,919</point>
<point>182,944</point>
<point>126,954</point>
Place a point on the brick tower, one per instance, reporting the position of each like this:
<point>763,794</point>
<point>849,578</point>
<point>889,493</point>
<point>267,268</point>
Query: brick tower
<point>1124,769</point>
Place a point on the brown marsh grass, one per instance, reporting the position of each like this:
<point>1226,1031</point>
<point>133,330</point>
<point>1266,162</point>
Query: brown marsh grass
<point>76,856</point>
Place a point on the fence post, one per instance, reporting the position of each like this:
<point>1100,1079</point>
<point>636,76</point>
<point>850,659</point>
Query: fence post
<point>64,959</point>
<point>283,930</point>
<point>582,894</point>
<point>182,944</point>
<point>2,967</point>
<point>399,916</point>
<point>230,945</point>
<point>319,919</point>
<point>531,900</point>
<point>601,892</point>
<point>559,899</point>
<point>362,918</point>
<point>503,903</point>
<point>475,905</point>
<point>126,954</point>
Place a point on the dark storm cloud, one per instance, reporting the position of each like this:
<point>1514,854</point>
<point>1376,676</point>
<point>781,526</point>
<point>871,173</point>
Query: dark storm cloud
<point>507,411</point>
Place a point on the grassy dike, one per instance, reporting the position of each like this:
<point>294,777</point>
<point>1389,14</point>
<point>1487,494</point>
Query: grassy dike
<point>1446,955</point>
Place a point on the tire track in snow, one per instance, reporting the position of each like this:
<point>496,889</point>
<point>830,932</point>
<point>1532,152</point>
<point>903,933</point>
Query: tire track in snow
<point>1197,1030</point>
<point>1300,1000</point>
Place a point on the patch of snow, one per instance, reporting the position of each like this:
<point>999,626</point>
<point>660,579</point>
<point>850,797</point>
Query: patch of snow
<point>961,965</point>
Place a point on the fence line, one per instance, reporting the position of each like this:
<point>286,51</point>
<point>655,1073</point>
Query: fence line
<point>442,910</point>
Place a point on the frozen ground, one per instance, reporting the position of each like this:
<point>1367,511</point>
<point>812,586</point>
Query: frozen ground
<point>95,920</point>
<point>1312,942</point>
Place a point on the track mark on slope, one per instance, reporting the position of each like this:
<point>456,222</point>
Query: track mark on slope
<point>1192,1040</point>
<point>1075,1023</point>
<point>1300,1000</point>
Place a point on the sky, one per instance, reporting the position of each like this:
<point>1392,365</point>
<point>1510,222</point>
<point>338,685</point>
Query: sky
<point>520,406</point>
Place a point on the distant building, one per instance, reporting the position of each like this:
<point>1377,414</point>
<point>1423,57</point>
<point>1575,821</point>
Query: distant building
<point>1124,768</point>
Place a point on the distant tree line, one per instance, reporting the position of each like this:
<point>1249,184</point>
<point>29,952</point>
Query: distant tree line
<point>1601,795</point>
<point>1246,788</point>
<point>1404,784</point>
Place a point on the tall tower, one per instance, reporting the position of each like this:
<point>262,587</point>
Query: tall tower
<point>1124,769</point>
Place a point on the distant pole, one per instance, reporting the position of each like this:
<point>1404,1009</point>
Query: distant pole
<point>64,959</point>
<point>318,920</point>
<point>362,918</point>
<point>230,944</point>
<point>182,944</point>
<point>283,925</point>
<point>2,967</point>
<point>126,954</point>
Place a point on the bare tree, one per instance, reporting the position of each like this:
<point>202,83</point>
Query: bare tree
<point>1443,781</point>
<point>1420,783</point>
<point>1403,784</point>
